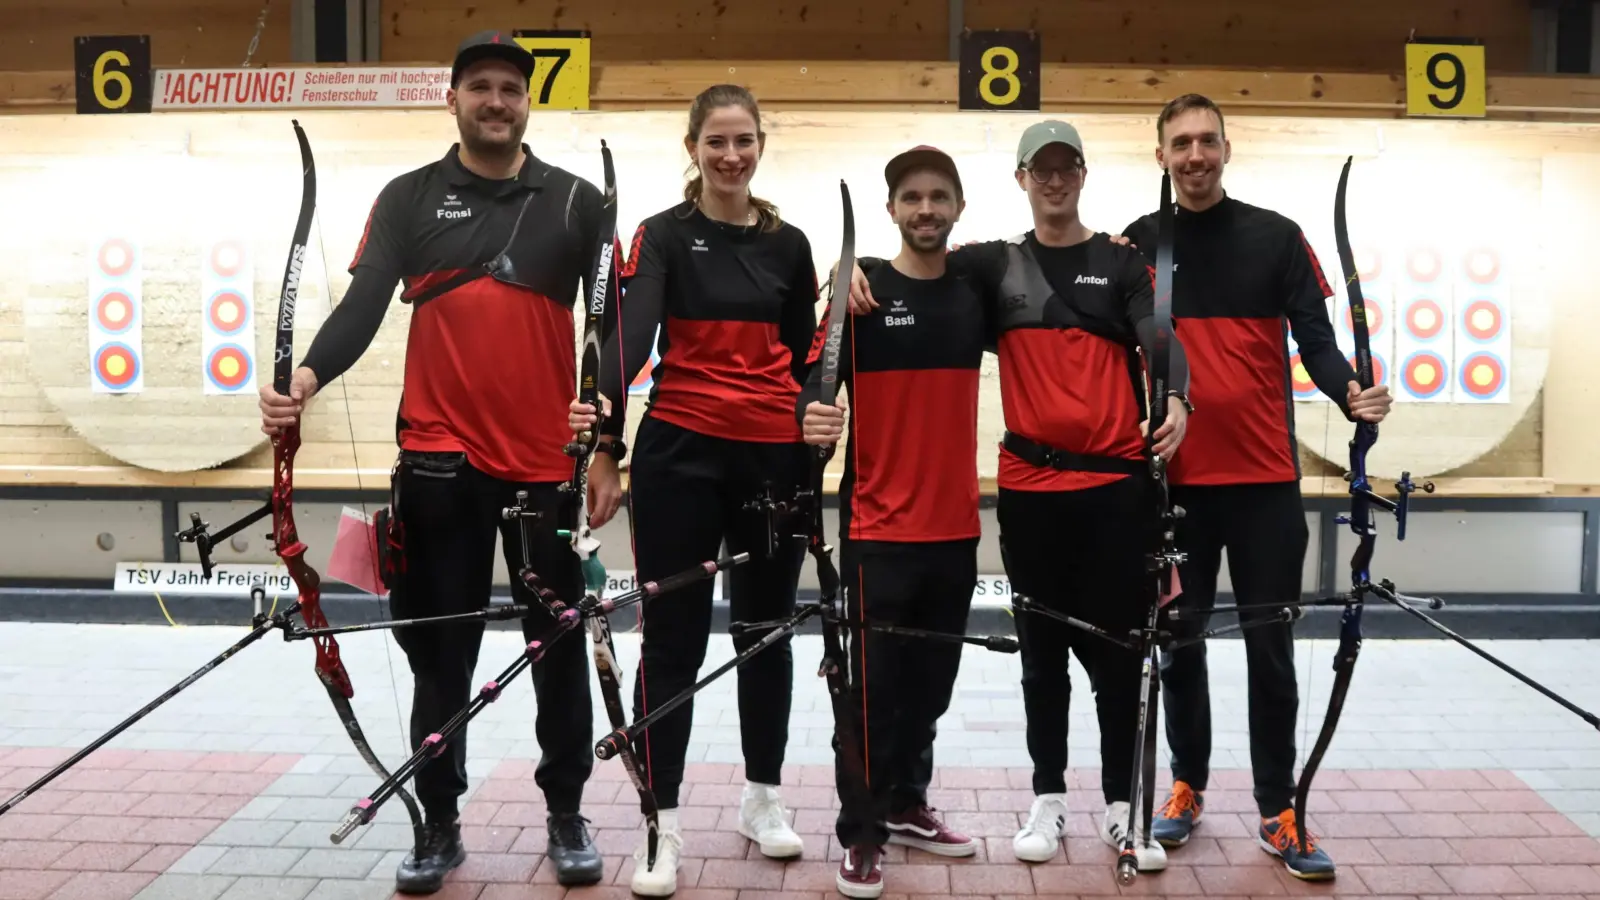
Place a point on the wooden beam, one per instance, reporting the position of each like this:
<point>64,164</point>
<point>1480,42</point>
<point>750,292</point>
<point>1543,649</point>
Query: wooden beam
<point>932,85</point>
<point>378,479</point>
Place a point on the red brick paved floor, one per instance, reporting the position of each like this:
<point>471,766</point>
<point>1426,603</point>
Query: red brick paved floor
<point>107,828</point>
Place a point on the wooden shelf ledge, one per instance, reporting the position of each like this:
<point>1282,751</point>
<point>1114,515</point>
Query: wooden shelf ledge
<point>831,84</point>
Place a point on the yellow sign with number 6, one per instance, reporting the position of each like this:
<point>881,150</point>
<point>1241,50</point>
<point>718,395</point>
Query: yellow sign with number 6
<point>112,74</point>
<point>1446,77</point>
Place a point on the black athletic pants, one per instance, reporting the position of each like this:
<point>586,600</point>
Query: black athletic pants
<point>450,513</point>
<point>907,681</point>
<point>1263,527</point>
<point>688,493</point>
<point>1082,553</point>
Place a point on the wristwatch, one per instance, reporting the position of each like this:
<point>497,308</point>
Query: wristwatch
<point>1184,399</point>
<point>615,447</point>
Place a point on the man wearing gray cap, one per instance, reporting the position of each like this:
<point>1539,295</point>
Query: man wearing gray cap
<point>1071,310</point>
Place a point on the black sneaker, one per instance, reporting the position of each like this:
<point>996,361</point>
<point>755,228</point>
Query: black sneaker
<point>572,850</point>
<point>425,867</point>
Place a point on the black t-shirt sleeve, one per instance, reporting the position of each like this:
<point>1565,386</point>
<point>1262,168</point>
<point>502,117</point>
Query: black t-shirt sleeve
<point>1142,233</point>
<point>587,227</point>
<point>1305,290</point>
<point>799,322</point>
<point>641,311</point>
<point>384,241</point>
<point>813,383</point>
<point>983,265</point>
<point>352,325</point>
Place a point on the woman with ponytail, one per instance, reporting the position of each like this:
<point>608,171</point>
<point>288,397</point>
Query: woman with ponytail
<point>733,289</point>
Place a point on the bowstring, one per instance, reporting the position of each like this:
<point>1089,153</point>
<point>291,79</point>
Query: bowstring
<point>355,459</point>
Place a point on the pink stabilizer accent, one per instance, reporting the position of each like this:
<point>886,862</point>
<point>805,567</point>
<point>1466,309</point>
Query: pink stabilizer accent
<point>490,690</point>
<point>435,741</point>
<point>364,804</point>
<point>710,567</point>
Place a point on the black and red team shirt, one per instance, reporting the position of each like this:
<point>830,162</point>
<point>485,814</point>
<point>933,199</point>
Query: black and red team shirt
<point>735,307</point>
<point>490,366</point>
<point>911,366</point>
<point>1068,323</point>
<point>1241,272</point>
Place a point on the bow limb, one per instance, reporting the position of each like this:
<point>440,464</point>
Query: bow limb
<point>604,293</point>
<point>851,740</point>
<point>1361,518</point>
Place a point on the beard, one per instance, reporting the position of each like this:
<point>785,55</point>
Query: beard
<point>477,137</point>
<point>926,241</point>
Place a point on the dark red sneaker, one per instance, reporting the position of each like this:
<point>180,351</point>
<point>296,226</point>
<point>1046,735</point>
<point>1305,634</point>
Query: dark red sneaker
<point>861,873</point>
<point>922,828</point>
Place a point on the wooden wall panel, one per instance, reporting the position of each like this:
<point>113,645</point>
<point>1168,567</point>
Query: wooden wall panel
<point>686,29</point>
<point>36,35</point>
<point>1353,34</point>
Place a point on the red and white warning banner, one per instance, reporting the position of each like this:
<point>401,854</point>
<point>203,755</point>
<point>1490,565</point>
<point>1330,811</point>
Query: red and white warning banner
<point>301,87</point>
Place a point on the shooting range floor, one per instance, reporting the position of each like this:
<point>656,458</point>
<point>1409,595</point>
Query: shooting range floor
<point>1447,777</point>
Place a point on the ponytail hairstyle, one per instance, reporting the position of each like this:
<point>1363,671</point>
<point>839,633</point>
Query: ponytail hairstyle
<point>716,97</point>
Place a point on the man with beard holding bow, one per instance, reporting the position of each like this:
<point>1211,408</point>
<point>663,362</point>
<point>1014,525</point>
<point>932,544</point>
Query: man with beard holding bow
<point>489,369</point>
<point>908,511</point>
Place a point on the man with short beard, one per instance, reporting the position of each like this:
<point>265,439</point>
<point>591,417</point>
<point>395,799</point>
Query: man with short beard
<point>908,511</point>
<point>1070,311</point>
<point>489,369</point>
<point>1241,275</point>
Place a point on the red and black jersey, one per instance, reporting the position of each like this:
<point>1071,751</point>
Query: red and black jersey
<point>1069,322</point>
<point>1240,273</point>
<point>734,308</point>
<point>911,366</point>
<point>490,366</point>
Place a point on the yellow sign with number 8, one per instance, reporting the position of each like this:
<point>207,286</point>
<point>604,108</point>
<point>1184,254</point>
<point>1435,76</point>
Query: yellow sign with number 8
<point>1007,75</point>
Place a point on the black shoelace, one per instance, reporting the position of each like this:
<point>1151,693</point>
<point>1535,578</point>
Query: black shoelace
<point>569,831</point>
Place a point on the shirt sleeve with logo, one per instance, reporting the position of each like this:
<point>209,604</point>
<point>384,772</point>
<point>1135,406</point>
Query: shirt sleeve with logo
<point>1241,274</point>
<point>730,310</point>
<point>911,368</point>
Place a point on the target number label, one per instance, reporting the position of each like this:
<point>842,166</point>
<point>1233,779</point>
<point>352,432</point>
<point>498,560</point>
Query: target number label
<point>560,67</point>
<point>999,71</point>
<point>111,73</point>
<point>1446,77</point>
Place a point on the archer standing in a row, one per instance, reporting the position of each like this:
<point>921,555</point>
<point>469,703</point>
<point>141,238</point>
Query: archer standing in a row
<point>908,512</point>
<point>1077,518</point>
<point>1242,273</point>
<point>733,289</point>
<point>489,371</point>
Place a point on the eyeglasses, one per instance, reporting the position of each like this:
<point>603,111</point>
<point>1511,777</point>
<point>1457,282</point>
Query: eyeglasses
<point>1068,174</point>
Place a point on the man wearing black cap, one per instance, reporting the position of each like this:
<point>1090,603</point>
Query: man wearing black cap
<point>489,369</point>
<point>908,510</point>
<point>1070,311</point>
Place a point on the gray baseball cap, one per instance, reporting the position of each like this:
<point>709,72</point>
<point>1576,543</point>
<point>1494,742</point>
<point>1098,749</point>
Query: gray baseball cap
<point>1042,134</point>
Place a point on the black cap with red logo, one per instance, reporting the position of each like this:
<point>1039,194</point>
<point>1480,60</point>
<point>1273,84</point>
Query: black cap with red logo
<point>491,45</point>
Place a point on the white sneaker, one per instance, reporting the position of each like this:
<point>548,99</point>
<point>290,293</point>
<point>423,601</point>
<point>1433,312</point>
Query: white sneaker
<point>662,879</point>
<point>763,819</point>
<point>1040,836</point>
<point>1152,857</point>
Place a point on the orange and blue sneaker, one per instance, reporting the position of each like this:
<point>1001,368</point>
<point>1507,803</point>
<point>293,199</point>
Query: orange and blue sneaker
<point>1281,837</point>
<point>1176,818</point>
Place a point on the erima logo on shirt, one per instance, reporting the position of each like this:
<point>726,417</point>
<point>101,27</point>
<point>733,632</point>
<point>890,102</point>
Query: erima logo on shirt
<point>700,244</point>
<point>451,200</point>
<point>1091,279</point>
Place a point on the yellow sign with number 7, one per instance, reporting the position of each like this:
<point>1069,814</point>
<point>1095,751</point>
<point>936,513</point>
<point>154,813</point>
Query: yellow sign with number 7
<point>561,68</point>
